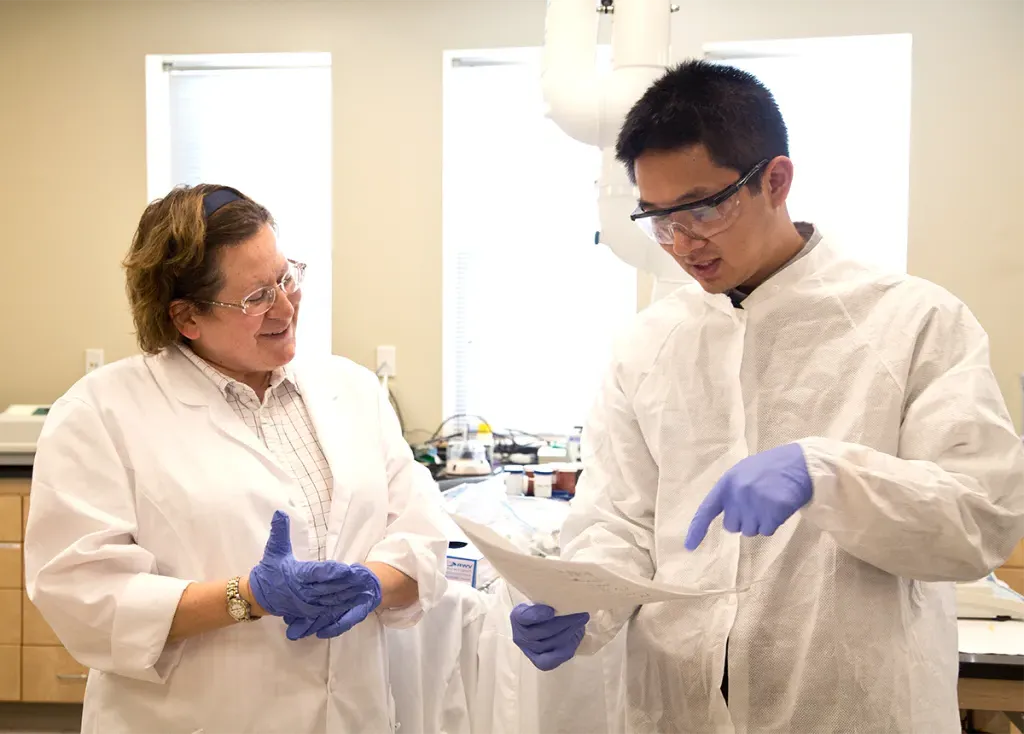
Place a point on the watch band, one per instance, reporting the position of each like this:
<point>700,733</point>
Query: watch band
<point>239,609</point>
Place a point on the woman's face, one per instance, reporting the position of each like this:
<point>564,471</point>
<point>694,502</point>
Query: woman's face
<point>244,346</point>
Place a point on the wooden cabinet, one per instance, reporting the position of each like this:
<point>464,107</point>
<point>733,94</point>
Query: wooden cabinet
<point>34,666</point>
<point>11,573</point>
<point>16,486</point>
<point>1012,577</point>
<point>10,518</point>
<point>10,616</point>
<point>1012,572</point>
<point>10,672</point>
<point>50,674</point>
<point>11,532</point>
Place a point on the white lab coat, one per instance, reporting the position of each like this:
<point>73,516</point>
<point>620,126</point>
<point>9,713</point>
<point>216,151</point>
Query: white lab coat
<point>583,696</point>
<point>434,668</point>
<point>145,480</point>
<point>918,482</point>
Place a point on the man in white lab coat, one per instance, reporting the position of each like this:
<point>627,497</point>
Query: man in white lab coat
<point>843,422</point>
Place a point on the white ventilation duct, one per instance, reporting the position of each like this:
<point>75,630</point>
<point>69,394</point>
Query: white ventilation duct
<point>590,106</point>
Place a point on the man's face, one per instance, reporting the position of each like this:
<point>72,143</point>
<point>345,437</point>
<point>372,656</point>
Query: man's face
<point>737,253</point>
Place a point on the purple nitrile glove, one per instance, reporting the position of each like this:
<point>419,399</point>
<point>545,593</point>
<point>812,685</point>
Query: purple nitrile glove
<point>756,495</point>
<point>546,639</point>
<point>285,586</point>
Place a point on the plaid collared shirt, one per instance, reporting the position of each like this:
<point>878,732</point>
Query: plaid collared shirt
<point>283,424</point>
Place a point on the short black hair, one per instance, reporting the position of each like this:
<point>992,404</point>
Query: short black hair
<point>727,110</point>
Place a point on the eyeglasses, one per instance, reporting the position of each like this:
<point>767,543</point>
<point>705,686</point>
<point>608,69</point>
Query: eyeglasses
<point>262,300</point>
<point>697,220</point>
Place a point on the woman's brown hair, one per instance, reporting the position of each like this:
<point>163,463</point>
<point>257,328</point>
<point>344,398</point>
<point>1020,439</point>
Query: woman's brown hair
<point>175,255</point>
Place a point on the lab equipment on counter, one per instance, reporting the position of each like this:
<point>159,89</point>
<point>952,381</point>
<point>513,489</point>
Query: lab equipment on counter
<point>515,480</point>
<point>485,437</point>
<point>988,598</point>
<point>471,456</point>
<point>20,426</point>
<point>543,482</point>
<point>563,479</point>
<point>530,470</point>
<point>467,565</point>
<point>440,452</point>
<point>550,454</point>
<point>566,476</point>
<point>463,562</point>
<point>572,448</point>
<point>467,457</point>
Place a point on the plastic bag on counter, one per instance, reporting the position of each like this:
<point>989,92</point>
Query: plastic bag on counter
<point>531,524</point>
<point>545,516</point>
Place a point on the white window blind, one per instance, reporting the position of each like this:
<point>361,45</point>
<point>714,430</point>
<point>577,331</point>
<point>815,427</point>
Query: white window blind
<point>531,304</point>
<point>267,132</point>
<point>846,103</point>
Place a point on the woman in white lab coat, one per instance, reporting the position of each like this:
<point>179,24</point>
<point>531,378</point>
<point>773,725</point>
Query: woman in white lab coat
<point>149,547</point>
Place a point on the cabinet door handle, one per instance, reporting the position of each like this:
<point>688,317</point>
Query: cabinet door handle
<point>75,676</point>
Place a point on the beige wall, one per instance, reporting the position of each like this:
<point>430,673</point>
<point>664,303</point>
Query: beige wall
<point>73,178</point>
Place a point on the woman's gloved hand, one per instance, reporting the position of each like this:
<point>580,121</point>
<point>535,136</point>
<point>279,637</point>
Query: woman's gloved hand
<point>338,620</point>
<point>547,640</point>
<point>287,587</point>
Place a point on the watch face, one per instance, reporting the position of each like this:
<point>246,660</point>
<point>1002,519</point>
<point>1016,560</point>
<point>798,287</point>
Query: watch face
<point>238,609</point>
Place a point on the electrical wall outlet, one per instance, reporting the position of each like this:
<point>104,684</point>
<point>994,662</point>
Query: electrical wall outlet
<point>386,362</point>
<point>93,359</point>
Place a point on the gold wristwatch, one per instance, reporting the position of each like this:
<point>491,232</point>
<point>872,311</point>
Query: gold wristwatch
<point>239,609</point>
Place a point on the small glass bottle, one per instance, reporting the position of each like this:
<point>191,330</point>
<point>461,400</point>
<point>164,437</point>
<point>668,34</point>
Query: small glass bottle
<point>572,448</point>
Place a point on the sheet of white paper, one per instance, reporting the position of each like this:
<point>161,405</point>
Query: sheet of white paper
<point>984,637</point>
<point>568,586</point>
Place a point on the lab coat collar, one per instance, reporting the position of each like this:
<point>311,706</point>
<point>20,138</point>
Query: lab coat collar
<point>181,379</point>
<point>178,377</point>
<point>811,238</point>
<point>320,390</point>
<point>226,384</point>
<point>805,266</point>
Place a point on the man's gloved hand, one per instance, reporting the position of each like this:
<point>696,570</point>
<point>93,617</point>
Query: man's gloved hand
<point>757,495</point>
<point>285,586</point>
<point>547,640</point>
<point>348,608</point>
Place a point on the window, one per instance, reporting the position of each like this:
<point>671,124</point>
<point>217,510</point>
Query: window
<point>260,123</point>
<point>846,102</point>
<point>531,304</point>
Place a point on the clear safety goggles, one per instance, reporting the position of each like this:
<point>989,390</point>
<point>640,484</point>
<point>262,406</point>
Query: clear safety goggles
<point>262,300</point>
<point>698,220</point>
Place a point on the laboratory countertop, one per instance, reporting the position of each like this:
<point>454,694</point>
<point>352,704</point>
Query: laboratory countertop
<point>992,667</point>
<point>444,482</point>
<point>15,471</point>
